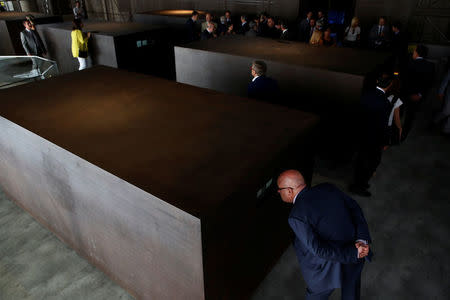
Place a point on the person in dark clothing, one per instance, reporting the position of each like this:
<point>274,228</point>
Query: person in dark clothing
<point>271,31</point>
<point>399,45</point>
<point>208,33</point>
<point>332,239</point>
<point>191,27</point>
<point>262,24</point>
<point>309,32</point>
<point>303,27</point>
<point>379,35</point>
<point>322,20</point>
<point>419,78</point>
<point>244,26</point>
<point>228,19</point>
<point>375,111</point>
<point>262,87</point>
<point>222,27</point>
<point>285,34</point>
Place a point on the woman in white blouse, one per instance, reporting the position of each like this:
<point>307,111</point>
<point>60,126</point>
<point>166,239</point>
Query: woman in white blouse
<point>395,123</point>
<point>352,34</point>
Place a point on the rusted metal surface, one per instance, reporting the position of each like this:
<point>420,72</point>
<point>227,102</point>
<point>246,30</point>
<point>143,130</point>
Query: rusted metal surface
<point>153,181</point>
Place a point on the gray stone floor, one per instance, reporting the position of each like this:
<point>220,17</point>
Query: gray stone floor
<point>408,216</point>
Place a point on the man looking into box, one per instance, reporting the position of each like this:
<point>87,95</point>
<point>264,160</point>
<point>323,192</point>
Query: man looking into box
<point>331,236</point>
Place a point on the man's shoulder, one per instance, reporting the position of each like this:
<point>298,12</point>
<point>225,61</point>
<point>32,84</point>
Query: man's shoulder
<point>323,187</point>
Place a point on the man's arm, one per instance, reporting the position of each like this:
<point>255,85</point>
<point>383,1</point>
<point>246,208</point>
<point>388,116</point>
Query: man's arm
<point>320,248</point>
<point>362,229</point>
<point>25,45</point>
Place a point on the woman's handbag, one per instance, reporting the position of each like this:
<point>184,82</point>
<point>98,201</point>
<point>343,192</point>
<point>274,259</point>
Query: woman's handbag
<point>83,54</point>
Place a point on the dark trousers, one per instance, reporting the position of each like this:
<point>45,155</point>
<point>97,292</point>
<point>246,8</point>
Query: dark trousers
<point>367,161</point>
<point>411,109</point>
<point>351,284</point>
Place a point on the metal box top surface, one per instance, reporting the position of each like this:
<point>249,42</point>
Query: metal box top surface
<point>109,28</point>
<point>346,60</point>
<point>188,146</point>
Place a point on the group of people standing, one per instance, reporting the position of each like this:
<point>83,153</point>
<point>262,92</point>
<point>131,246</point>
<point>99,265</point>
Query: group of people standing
<point>34,46</point>
<point>262,25</point>
<point>381,120</point>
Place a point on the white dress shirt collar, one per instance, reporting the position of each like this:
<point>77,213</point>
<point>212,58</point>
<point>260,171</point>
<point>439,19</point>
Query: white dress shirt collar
<point>254,78</point>
<point>381,89</point>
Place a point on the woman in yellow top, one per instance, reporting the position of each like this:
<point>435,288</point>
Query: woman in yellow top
<point>316,37</point>
<point>79,43</point>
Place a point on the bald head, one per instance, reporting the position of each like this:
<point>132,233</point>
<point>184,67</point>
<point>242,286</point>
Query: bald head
<point>290,183</point>
<point>291,178</point>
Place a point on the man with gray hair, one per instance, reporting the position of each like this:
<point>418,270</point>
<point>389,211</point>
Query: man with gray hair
<point>262,87</point>
<point>208,33</point>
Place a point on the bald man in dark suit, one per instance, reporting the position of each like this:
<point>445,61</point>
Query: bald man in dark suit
<point>331,236</point>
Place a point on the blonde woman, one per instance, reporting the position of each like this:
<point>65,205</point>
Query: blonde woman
<point>80,43</point>
<point>316,37</point>
<point>352,33</point>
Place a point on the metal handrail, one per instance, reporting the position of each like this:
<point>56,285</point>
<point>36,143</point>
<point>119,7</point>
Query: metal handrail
<point>25,77</point>
<point>27,56</point>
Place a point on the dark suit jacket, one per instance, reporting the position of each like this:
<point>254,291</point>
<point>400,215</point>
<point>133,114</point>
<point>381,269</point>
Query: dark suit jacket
<point>375,111</point>
<point>374,37</point>
<point>326,223</point>
<point>399,43</point>
<point>303,30</point>
<point>242,29</point>
<point>222,29</point>
<point>272,33</point>
<point>206,35</point>
<point>308,34</point>
<point>419,76</point>
<point>263,88</point>
<point>191,30</point>
<point>262,28</point>
<point>32,43</point>
<point>285,36</point>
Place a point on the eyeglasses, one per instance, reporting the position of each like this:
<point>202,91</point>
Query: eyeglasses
<point>280,189</point>
<point>285,188</point>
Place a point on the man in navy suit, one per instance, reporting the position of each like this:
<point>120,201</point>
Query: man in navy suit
<point>262,87</point>
<point>379,35</point>
<point>331,236</point>
<point>191,28</point>
<point>419,80</point>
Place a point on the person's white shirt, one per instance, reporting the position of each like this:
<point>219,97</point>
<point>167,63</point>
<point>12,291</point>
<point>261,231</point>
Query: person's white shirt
<point>380,89</point>
<point>397,104</point>
<point>285,30</point>
<point>352,33</point>
<point>254,78</point>
<point>77,12</point>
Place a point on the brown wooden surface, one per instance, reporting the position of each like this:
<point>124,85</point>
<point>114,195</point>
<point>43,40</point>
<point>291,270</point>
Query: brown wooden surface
<point>188,146</point>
